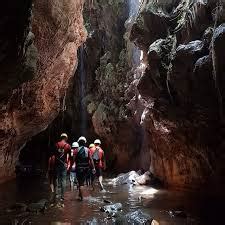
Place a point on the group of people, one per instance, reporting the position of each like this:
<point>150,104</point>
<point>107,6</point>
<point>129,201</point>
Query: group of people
<point>83,164</point>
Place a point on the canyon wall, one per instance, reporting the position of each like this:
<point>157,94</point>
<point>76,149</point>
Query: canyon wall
<point>39,42</point>
<point>166,114</point>
<point>183,91</point>
<point>110,61</point>
<point>96,102</point>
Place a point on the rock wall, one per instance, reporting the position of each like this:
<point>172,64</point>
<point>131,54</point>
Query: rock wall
<point>183,89</point>
<point>38,57</point>
<point>105,38</point>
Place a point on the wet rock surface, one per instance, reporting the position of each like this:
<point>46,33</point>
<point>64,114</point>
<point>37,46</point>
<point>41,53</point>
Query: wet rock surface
<point>138,217</point>
<point>39,206</point>
<point>25,210</point>
<point>127,178</point>
<point>134,178</point>
<point>17,208</point>
<point>112,210</point>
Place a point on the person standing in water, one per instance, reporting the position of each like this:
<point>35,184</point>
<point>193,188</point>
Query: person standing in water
<point>82,158</point>
<point>62,162</point>
<point>72,166</point>
<point>98,157</point>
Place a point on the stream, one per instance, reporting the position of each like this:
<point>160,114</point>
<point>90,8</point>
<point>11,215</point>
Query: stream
<point>158,203</point>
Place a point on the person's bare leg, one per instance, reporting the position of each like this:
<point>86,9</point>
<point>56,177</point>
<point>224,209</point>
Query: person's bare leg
<point>53,190</point>
<point>100,182</point>
<point>52,193</point>
<point>52,187</point>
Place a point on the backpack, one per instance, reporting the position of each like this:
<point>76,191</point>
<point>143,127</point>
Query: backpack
<point>82,152</point>
<point>82,159</point>
<point>96,157</point>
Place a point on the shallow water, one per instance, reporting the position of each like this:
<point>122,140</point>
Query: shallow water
<point>199,210</point>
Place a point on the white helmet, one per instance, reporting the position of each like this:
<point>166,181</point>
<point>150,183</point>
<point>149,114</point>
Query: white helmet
<point>75,145</point>
<point>64,135</point>
<point>97,141</point>
<point>82,138</point>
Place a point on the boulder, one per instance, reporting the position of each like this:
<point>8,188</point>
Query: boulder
<point>142,32</point>
<point>181,74</point>
<point>137,217</point>
<point>112,209</point>
<point>37,207</point>
<point>144,179</point>
<point>126,178</point>
<point>135,178</point>
<point>17,208</point>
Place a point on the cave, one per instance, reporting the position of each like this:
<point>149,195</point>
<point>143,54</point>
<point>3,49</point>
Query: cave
<point>143,76</point>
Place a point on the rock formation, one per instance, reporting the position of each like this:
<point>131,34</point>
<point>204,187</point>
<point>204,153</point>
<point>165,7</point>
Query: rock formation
<point>38,57</point>
<point>182,87</point>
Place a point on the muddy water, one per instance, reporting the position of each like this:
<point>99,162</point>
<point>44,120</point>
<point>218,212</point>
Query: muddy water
<point>154,202</point>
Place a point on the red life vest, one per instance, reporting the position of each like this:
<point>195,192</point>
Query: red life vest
<point>62,149</point>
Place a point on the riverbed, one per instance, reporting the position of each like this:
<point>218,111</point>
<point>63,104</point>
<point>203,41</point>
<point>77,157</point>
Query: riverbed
<point>158,203</point>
